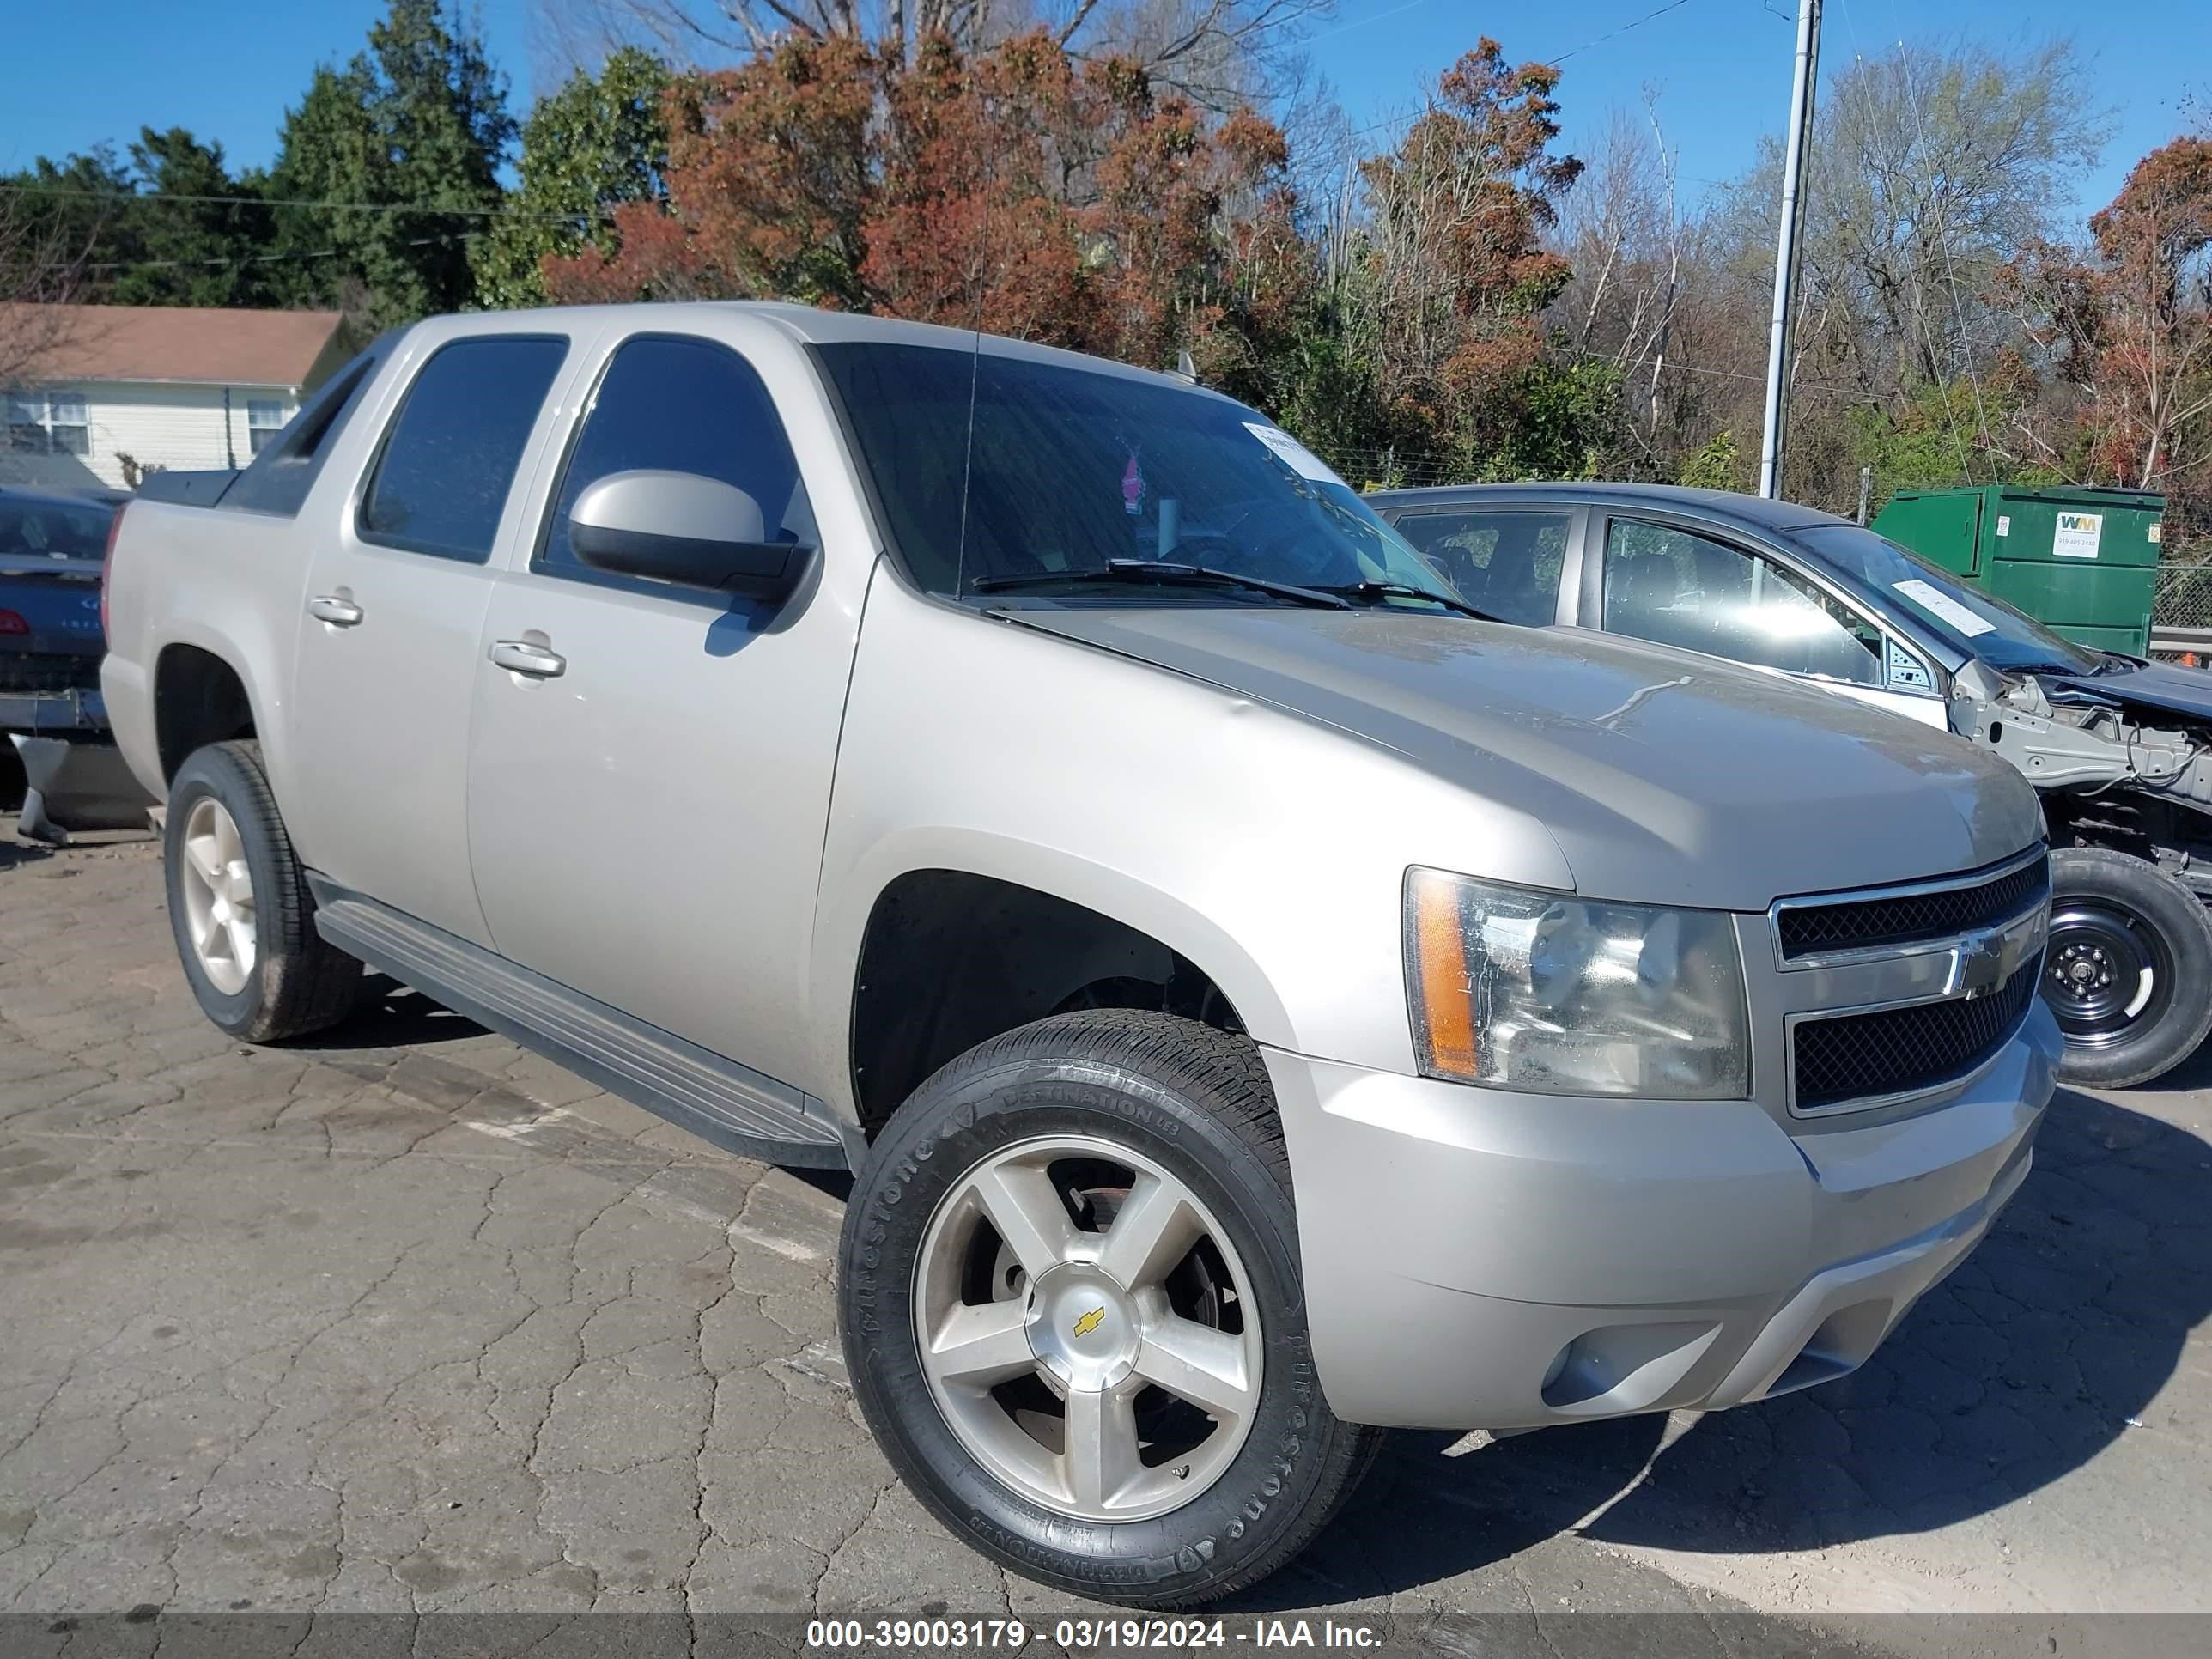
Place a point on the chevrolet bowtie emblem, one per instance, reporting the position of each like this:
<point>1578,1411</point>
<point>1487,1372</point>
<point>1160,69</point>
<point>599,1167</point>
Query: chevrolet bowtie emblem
<point>1090,1322</point>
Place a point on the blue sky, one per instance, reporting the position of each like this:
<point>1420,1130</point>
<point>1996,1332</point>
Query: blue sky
<point>72,74</point>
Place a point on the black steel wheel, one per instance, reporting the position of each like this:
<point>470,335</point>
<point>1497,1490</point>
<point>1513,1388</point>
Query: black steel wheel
<point>2129,969</point>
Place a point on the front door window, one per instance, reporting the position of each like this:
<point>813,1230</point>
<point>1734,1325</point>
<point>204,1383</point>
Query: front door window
<point>1676,587</point>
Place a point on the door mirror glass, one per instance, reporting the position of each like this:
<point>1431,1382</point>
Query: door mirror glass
<point>684,529</point>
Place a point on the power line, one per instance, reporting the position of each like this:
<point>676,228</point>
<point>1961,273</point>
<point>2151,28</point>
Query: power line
<point>270,258</point>
<point>1671,5</point>
<point>1362,22</point>
<point>601,211</point>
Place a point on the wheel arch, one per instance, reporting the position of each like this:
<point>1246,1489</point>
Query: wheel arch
<point>956,944</point>
<point>200,697</point>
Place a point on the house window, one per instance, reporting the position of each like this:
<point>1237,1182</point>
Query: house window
<point>48,423</point>
<point>264,419</point>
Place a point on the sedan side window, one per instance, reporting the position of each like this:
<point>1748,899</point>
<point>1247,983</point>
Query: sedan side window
<point>1678,588</point>
<point>682,404</point>
<point>1505,563</point>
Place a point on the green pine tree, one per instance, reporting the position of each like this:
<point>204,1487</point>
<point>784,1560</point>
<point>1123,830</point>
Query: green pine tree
<point>415,123</point>
<point>597,141</point>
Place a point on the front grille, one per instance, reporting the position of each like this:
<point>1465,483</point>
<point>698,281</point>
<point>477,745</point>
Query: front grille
<point>22,671</point>
<point>1805,929</point>
<point>1899,1050</point>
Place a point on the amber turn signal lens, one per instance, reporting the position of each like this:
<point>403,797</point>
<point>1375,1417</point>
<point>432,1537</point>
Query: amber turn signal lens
<point>1443,1011</point>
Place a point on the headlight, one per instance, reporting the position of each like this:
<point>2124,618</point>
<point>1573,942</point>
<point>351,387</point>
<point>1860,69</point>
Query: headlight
<point>1521,989</point>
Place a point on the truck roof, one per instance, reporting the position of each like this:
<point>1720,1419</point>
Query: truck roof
<point>808,324</point>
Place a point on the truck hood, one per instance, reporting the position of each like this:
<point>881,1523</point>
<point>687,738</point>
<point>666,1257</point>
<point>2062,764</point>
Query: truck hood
<point>1662,777</point>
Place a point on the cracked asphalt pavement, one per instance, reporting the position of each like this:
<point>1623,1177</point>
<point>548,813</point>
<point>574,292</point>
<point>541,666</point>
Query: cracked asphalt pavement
<point>408,1320</point>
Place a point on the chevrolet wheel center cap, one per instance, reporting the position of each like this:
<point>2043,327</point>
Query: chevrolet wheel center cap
<point>1083,1327</point>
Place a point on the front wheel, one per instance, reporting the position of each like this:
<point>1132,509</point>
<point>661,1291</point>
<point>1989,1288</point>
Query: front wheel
<point>1074,1316</point>
<point>2129,968</point>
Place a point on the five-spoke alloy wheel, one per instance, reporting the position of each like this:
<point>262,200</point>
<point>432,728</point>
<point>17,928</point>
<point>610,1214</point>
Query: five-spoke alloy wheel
<point>239,907</point>
<point>1085,1324</point>
<point>218,885</point>
<point>1074,1310</point>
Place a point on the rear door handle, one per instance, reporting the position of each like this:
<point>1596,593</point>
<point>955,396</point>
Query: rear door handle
<point>520,657</point>
<point>330,608</point>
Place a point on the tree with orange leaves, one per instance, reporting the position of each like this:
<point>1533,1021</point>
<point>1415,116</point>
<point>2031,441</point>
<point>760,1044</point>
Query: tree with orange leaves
<point>1458,273</point>
<point>2129,322</point>
<point>1019,190</point>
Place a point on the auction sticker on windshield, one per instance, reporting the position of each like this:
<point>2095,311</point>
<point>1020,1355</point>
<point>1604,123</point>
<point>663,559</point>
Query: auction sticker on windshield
<point>1941,605</point>
<point>1300,459</point>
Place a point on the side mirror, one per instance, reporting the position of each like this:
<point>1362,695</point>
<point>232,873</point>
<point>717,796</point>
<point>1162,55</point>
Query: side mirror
<point>682,528</point>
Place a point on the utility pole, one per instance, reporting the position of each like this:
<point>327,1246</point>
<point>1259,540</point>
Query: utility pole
<point>1786,253</point>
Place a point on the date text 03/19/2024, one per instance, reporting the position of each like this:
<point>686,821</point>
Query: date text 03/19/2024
<point>1089,1634</point>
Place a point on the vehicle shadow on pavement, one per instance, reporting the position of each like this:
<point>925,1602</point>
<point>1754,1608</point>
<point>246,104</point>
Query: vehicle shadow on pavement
<point>13,852</point>
<point>2032,1359</point>
<point>390,1016</point>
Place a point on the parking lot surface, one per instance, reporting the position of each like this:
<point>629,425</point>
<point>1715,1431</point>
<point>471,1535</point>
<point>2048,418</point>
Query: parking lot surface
<point>408,1320</point>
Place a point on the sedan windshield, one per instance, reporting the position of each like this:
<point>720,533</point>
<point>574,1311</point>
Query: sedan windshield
<point>1964,618</point>
<point>1070,477</point>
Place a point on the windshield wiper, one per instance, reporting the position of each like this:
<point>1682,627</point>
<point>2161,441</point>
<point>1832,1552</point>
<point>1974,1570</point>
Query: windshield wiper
<point>1164,575</point>
<point>1375,592</point>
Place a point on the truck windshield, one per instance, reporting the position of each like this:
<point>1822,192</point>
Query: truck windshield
<point>1072,478</point>
<point>1965,618</point>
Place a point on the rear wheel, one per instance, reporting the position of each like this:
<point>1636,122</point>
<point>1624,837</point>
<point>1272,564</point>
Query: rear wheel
<point>2129,968</point>
<point>1074,1314</point>
<point>240,908</point>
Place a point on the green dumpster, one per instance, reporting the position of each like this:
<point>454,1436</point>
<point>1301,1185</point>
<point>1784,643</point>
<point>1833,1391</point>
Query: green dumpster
<point>2082,561</point>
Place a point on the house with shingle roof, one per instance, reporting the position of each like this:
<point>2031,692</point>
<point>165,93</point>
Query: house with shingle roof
<point>102,395</point>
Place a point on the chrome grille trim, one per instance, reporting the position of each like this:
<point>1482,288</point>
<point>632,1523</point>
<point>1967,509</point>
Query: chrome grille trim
<point>1987,875</point>
<point>1968,963</point>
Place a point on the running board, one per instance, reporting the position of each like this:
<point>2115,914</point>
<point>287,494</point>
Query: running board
<point>731,1105</point>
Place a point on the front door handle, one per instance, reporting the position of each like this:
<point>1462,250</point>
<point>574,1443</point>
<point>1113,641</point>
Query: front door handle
<point>520,657</point>
<point>330,608</point>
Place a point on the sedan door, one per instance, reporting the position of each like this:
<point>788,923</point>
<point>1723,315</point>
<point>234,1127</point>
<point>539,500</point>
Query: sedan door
<point>650,764</point>
<point>1698,588</point>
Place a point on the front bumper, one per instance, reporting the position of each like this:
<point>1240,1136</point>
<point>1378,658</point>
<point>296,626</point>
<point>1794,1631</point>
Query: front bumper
<point>1480,1259</point>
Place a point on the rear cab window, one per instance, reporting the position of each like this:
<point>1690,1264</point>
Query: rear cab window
<point>285,467</point>
<point>439,482</point>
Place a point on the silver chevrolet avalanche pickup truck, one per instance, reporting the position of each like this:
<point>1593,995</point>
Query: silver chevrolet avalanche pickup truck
<point>1260,1002</point>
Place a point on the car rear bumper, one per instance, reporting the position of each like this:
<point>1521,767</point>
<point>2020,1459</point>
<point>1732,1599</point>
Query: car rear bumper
<point>52,714</point>
<point>1479,1259</point>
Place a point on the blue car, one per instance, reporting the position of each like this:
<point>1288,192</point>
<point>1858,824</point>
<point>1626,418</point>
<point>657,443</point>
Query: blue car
<point>51,643</point>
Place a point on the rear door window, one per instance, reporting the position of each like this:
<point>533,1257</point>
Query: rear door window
<point>1506,563</point>
<point>448,461</point>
